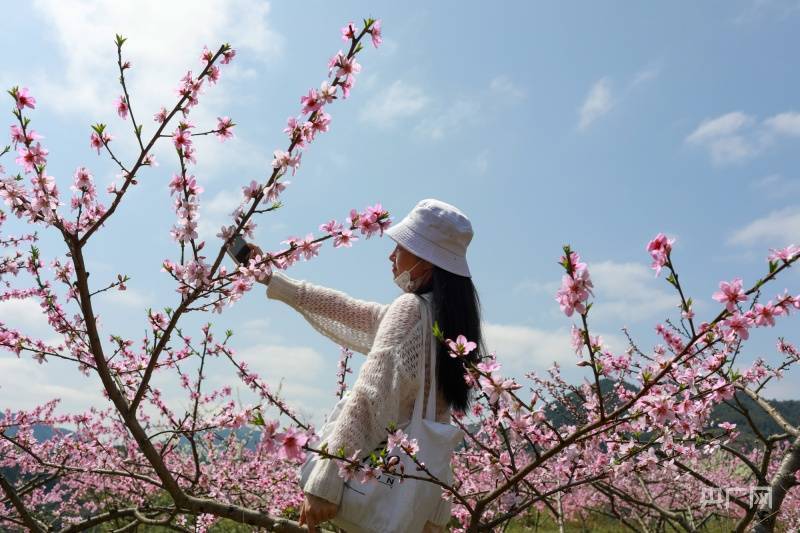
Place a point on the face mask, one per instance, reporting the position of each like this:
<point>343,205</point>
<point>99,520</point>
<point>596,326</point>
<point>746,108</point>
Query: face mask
<point>405,282</point>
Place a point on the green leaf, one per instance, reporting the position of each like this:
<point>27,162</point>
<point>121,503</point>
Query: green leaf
<point>120,40</point>
<point>99,128</point>
<point>258,419</point>
<point>437,332</point>
<point>773,266</point>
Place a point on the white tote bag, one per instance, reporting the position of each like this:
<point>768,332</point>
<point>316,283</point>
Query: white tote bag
<point>385,505</point>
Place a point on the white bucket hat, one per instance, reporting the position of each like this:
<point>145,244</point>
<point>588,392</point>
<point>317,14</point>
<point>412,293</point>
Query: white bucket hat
<point>437,232</point>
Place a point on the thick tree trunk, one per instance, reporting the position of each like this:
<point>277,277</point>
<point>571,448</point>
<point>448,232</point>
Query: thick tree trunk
<point>783,480</point>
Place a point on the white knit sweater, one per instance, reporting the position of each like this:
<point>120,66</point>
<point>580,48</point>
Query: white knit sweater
<point>395,341</point>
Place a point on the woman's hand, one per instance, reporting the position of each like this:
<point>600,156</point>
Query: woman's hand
<point>254,251</point>
<point>430,527</point>
<point>316,510</point>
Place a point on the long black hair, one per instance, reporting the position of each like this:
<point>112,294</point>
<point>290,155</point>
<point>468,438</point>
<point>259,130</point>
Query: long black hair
<point>457,310</point>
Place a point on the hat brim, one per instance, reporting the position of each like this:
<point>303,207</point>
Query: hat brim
<point>427,250</point>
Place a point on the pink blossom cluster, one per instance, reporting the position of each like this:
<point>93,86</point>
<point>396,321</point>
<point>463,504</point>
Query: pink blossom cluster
<point>84,200</point>
<point>576,285</point>
<point>99,140</point>
<point>399,439</point>
<point>342,370</point>
<point>186,191</point>
<point>373,220</point>
<point>301,130</point>
<point>738,324</point>
<point>660,247</point>
<point>41,202</point>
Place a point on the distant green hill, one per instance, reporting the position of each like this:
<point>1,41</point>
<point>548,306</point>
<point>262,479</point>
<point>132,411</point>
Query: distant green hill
<point>725,412</point>
<point>789,409</point>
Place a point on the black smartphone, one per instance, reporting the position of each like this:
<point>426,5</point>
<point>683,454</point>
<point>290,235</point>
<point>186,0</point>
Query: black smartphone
<point>238,250</point>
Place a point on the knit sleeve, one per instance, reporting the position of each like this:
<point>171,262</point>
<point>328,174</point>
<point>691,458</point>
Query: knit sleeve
<point>345,320</point>
<point>375,396</point>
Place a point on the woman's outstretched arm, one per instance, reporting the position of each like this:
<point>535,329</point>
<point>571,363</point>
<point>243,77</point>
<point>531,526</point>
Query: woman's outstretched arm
<point>346,320</point>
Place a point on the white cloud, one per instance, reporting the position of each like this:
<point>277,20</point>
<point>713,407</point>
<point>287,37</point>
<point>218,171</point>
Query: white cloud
<point>735,137</point>
<point>521,349</point>
<point>298,370</point>
<point>451,118</point>
<point>787,123</point>
<point>224,202</point>
<point>776,186</point>
<point>258,328</point>
<point>623,293</point>
<point>164,40</point>
<point>524,346</point>
<point>26,315</point>
<point>273,361</point>
<point>629,292</point>
<point>601,99</point>
<point>400,100</point>
<point>215,213</point>
<point>778,228</point>
<point>722,126</point>
<point>25,384</point>
<point>162,44</point>
<point>646,74</point>
<point>757,9</point>
<point>503,87</point>
<point>548,287</point>
<point>597,103</point>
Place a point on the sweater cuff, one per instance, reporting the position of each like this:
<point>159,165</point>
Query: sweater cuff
<point>283,288</point>
<point>324,481</point>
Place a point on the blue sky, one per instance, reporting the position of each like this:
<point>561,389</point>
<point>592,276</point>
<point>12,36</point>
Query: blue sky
<point>547,124</point>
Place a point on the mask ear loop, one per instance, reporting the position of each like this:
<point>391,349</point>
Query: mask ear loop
<point>416,283</point>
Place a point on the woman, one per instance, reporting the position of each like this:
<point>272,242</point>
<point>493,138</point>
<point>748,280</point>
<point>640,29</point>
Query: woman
<point>429,259</point>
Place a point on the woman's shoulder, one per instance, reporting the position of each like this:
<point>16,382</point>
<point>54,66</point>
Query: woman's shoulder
<point>409,305</point>
<point>400,319</point>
